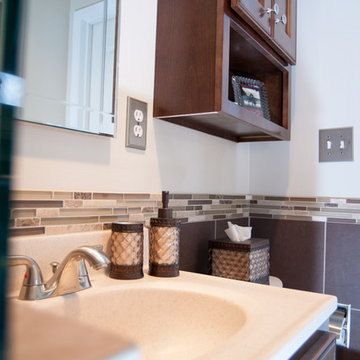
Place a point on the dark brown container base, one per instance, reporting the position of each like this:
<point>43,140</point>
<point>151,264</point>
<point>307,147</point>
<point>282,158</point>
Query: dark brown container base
<point>126,272</point>
<point>164,270</point>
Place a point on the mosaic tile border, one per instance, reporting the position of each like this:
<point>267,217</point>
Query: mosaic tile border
<point>55,212</point>
<point>324,209</point>
<point>203,207</point>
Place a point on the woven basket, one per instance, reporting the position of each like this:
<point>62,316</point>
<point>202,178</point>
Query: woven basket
<point>247,261</point>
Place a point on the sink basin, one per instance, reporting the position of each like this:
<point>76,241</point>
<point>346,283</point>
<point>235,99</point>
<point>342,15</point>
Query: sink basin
<point>165,324</point>
<point>194,316</point>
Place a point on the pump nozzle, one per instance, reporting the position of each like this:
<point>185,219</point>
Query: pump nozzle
<point>165,212</point>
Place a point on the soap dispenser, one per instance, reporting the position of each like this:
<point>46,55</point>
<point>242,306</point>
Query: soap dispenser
<point>164,242</point>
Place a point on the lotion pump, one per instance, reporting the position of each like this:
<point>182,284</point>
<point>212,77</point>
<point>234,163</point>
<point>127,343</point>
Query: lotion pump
<point>164,242</point>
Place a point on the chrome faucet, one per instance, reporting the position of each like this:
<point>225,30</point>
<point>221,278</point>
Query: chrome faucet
<point>70,276</point>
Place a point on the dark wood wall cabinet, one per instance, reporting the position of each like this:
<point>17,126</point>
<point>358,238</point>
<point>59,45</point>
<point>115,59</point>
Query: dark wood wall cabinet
<point>201,44</point>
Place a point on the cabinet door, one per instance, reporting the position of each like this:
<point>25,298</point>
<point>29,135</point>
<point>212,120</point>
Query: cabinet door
<point>254,10</point>
<point>285,26</point>
<point>321,346</point>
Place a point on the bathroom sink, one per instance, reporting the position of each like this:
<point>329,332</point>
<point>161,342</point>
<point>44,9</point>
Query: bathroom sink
<point>164,323</point>
<point>195,316</point>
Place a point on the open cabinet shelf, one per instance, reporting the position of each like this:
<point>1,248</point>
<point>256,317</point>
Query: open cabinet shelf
<point>198,49</point>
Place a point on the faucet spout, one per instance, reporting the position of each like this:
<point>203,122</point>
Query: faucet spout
<point>96,258</point>
<point>70,276</point>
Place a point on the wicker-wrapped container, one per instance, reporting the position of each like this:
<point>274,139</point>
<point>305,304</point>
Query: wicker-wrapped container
<point>126,250</point>
<point>247,260</point>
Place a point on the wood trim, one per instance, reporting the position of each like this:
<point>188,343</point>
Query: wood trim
<point>286,92</point>
<point>219,55</point>
<point>285,35</point>
<point>289,18</point>
<point>226,59</point>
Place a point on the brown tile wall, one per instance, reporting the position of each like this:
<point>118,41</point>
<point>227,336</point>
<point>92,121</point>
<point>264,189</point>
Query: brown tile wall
<point>354,352</point>
<point>317,256</point>
<point>296,251</point>
<point>194,239</point>
<point>343,263</point>
<point>342,276</point>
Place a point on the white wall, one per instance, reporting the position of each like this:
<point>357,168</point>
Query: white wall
<point>326,95</point>
<point>182,160</point>
<point>176,158</point>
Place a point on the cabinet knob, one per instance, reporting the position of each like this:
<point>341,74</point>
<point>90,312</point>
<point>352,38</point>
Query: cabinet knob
<point>282,20</point>
<point>275,10</point>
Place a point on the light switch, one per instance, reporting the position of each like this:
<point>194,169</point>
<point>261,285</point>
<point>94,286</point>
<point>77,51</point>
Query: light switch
<point>136,123</point>
<point>336,144</point>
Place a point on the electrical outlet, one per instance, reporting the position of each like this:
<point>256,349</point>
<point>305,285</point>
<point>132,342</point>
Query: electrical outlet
<point>136,123</point>
<point>336,144</point>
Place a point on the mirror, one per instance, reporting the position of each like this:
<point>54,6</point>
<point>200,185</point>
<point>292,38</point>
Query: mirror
<point>68,61</point>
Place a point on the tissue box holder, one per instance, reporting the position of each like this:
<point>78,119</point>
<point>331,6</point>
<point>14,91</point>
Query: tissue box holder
<point>247,260</point>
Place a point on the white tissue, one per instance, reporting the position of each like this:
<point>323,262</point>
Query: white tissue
<point>238,233</point>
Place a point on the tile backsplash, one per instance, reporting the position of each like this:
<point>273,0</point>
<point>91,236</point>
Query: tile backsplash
<point>56,212</point>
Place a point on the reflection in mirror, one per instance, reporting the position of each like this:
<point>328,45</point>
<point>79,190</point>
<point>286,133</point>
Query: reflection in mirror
<point>68,63</point>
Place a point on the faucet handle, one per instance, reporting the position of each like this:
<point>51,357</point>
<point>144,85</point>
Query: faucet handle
<point>33,274</point>
<point>33,285</point>
<point>54,265</point>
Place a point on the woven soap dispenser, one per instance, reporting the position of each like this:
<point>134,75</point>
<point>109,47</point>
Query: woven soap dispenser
<point>164,242</point>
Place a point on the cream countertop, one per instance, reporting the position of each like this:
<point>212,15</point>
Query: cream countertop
<point>275,322</point>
